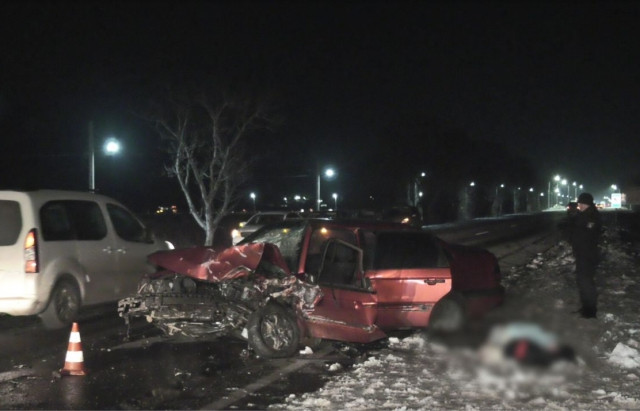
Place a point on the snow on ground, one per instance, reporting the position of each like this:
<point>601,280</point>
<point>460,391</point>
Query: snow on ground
<point>422,372</point>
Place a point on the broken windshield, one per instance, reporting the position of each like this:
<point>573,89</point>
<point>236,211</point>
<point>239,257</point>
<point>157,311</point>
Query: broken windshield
<point>286,236</point>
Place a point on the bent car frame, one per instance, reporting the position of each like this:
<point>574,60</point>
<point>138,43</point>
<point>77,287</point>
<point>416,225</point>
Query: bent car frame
<point>350,281</point>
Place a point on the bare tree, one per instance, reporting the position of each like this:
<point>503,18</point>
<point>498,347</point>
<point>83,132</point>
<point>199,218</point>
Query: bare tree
<point>206,140</point>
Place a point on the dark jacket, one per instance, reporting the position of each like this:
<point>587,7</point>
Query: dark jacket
<point>585,235</point>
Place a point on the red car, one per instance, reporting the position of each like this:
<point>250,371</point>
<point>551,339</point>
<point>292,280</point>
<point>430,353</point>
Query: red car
<point>350,281</point>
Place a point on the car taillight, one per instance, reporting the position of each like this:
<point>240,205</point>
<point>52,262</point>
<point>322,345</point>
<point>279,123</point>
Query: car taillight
<point>31,252</point>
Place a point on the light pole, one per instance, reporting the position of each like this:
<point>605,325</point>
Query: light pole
<point>111,147</point>
<point>498,201</point>
<point>329,173</point>
<point>253,198</point>
<point>564,183</point>
<point>335,199</point>
<point>556,179</point>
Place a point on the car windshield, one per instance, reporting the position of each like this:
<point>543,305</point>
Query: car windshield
<point>265,219</point>
<point>287,236</point>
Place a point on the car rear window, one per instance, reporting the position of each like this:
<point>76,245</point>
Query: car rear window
<point>10,221</point>
<point>63,220</point>
<point>395,250</point>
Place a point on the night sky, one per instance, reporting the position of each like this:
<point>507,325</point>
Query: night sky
<point>557,84</point>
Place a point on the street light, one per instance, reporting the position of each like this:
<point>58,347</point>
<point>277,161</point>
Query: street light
<point>565,183</point>
<point>556,179</point>
<point>253,197</point>
<point>111,147</point>
<point>329,173</point>
<point>335,199</point>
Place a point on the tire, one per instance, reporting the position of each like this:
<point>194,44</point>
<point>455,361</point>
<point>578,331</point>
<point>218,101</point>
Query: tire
<point>448,315</point>
<point>273,332</point>
<point>63,307</point>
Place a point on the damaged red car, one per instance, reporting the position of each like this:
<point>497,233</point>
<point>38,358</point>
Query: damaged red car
<point>300,280</point>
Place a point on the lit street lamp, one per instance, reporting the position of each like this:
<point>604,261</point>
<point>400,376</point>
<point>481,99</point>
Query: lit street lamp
<point>111,147</point>
<point>335,199</point>
<point>329,173</point>
<point>253,197</point>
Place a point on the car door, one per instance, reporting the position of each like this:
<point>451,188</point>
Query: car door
<point>132,246</point>
<point>347,311</point>
<point>76,240</point>
<point>410,273</point>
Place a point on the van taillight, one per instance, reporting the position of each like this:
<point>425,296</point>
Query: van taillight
<point>31,252</point>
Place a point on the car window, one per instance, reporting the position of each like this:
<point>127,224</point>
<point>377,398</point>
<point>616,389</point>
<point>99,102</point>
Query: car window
<point>339,264</point>
<point>126,225</point>
<point>397,250</point>
<point>10,221</point>
<point>271,218</point>
<point>63,220</point>
<point>319,238</point>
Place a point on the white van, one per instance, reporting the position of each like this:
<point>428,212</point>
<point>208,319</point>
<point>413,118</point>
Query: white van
<point>61,250</point>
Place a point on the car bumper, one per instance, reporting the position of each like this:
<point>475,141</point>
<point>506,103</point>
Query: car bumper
<point>18,294</point>
<point>21,306</point>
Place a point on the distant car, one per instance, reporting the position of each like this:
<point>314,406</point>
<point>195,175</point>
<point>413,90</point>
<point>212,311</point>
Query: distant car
<point>259,220</point>
<point>303,280</point>
<point>61,250</point>
<point>403,214</point>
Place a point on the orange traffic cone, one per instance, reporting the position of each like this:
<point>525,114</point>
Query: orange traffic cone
<point>74,362</point>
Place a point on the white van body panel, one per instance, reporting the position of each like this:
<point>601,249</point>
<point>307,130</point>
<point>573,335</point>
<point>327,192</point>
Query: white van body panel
<point>104,270</point>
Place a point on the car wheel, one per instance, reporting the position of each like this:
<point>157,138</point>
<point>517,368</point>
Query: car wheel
<point>273,332</point>
<point>448,315</point>
<point>63,307</point>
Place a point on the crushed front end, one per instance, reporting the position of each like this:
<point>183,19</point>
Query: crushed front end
<point>205,293</point>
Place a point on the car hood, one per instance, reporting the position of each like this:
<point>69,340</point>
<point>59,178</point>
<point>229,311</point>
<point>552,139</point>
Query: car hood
<point>209,264</point>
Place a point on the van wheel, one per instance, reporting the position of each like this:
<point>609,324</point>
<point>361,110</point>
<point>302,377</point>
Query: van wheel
<point>273,332</point>
<point>448,315</point>
<point>63,307</point>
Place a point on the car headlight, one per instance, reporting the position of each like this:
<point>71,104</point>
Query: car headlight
<point>235,233</point>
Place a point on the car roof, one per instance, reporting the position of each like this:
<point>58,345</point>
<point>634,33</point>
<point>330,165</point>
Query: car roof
<point>41,196</point>
<point>275,212</point>
<point>346,223</point>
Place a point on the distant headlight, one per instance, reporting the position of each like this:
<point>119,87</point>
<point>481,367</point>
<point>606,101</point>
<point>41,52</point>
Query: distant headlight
<point>242,224</point>
<point>405,220</point>
<point>235,233</point>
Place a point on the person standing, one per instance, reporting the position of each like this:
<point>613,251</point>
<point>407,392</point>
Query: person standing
<point>584,241</point>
